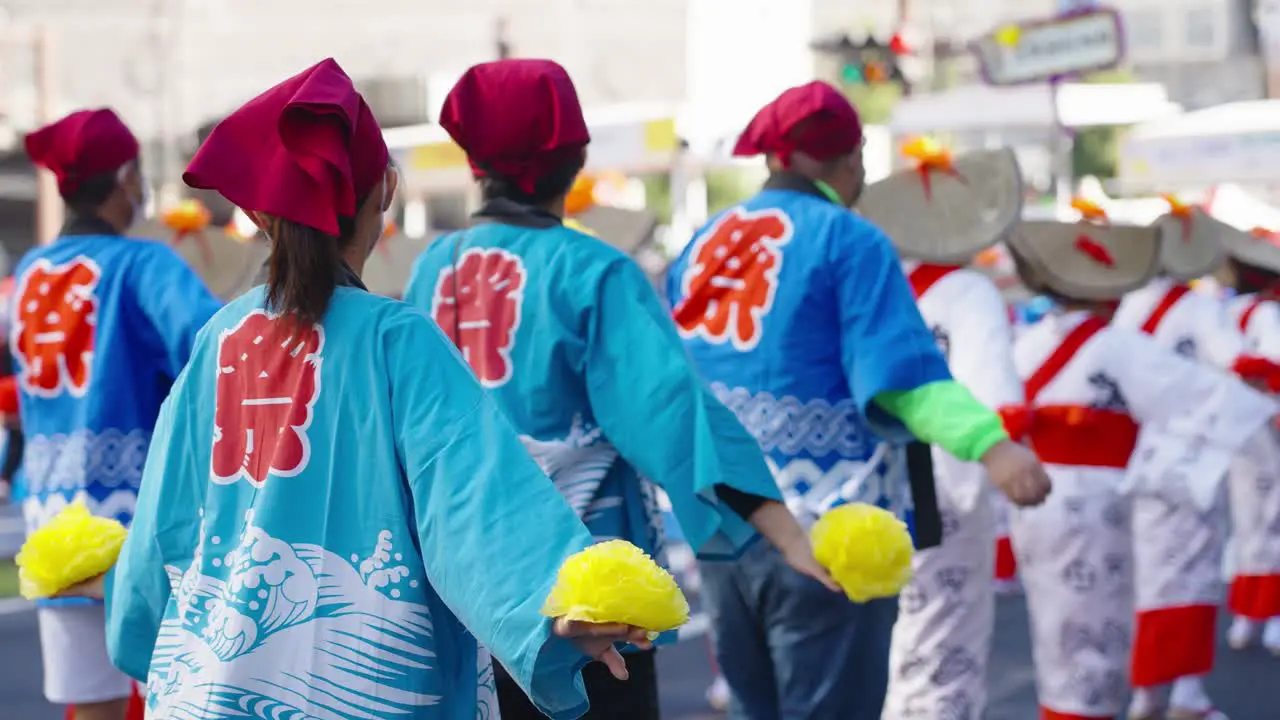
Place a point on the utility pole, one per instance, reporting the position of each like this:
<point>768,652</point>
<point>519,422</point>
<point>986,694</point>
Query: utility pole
<point>48,202</point>
<point>501,42</point>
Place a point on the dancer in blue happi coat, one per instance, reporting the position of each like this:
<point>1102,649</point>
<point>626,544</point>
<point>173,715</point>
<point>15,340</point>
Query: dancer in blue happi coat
<point>797,311</point>
<point>101,325</point>
<point>336,521</point>
<point>572,341</point>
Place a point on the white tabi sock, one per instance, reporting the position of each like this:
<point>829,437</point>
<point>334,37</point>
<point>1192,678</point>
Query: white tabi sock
<point>1242,632</point>
<point>1271,635</point>
<point>1189,694</point>
<point>1147,702</point>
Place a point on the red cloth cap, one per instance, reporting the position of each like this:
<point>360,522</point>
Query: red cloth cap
<point>307,150</point>
<point>814,119</point>
<point>82,145</point>
<point>519,119</point>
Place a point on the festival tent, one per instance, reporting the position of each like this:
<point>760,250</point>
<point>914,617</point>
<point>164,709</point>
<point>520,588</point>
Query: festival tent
<point>1231,143</point>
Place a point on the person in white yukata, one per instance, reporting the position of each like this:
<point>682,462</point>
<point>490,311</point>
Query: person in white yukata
<point>1254,599</point>
<point>570,338</point>
<point>940,217</point>
<point>336,520</point>
<point>1090,387</point>
<point>1180,515</point>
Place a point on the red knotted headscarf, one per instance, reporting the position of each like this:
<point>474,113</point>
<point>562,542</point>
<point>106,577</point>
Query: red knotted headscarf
<point>519,119</point>
<point>82,145</point>
<point>307,150</point>
<point>814,119</point>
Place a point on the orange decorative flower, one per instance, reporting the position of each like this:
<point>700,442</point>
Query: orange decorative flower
<point>930,157</point>
<point>188,216</point>
<point>1089,210</point>
<point>582,196</point>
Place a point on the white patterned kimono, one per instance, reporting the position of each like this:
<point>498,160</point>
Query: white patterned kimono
<point>946,614</point>
<point>1255,487</point>
<point>1180,515</point>
<point>1090,387</point>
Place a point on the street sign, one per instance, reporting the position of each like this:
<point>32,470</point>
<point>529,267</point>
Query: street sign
<point>1050,49</point>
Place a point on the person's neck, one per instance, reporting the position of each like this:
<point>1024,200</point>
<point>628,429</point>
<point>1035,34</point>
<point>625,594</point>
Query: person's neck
<point>355,260</point>
<point>119,221</point>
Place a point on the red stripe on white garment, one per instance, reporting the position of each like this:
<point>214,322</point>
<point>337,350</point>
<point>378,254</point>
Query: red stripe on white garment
<point>1170,643</point>
<point>1006,561</point>
<point>1047,714</point>
<point>1256,597</point>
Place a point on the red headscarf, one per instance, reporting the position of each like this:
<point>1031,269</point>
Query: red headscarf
<point>519,119</point>
<point>82,145</point>
<point>814,119</point>
<point>307,150</point>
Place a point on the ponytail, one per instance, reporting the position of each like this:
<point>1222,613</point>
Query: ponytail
<point>302,272</point>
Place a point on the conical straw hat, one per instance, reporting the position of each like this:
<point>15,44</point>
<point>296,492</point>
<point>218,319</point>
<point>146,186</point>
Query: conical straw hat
<point>1192,243</point>
<point>386,272</point>
<point>1088,261</point>
<point>228,265</point>
<point>949,211</point>
<point>1260,248</point>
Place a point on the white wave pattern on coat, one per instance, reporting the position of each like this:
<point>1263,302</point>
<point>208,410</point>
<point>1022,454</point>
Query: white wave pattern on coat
<point>293,632</point>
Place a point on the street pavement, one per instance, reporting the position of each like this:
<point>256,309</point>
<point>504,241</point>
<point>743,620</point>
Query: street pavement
<point>1246,684</point>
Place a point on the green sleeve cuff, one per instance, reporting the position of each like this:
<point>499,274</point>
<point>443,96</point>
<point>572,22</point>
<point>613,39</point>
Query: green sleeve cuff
<point>945,413</point>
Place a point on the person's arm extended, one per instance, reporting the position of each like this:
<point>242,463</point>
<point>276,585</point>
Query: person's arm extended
<point>665,421</point>
<point>886,347</point>
<point>946,414</point>
<point>175,301</point>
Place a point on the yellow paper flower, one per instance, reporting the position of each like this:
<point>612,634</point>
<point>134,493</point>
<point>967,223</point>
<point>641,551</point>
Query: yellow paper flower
<point>72,547</point>
<point>867,550</point>
<point>615,582</point>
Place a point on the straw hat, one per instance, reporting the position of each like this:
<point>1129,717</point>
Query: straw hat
<point>1085,260</point>
<point>1193,241</point>
<point>228,264</point>
<point>947,211</point>
<point>387,270</point>
<point>627,230</point>
<point>1260,248</point>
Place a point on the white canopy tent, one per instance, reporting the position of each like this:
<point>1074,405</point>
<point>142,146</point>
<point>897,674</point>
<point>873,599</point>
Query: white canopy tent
<point>1232,143</point>
<point>982,108</point>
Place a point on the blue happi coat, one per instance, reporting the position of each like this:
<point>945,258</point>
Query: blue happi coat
<point>797,312</point>
<point>570,337</point>
<point>331,517</point>
<point>99,327</point>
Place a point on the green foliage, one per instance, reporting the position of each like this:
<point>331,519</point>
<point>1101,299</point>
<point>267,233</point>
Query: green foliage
<point>657,195</point>
<point>730,186</point>
<point>875,102</point>
<point>1094,150</point>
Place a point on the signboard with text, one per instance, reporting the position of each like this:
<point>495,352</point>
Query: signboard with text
<point>1060,47</point>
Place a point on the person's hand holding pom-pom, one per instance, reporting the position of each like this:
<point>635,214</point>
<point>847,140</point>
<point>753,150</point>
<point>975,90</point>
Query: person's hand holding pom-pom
<point>69,554</point>
<point>614,592</point>
<point>867,550</point>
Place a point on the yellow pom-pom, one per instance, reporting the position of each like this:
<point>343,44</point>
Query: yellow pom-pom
<point>72,547</point>
<point>866,549</point>
<point>615,582</point>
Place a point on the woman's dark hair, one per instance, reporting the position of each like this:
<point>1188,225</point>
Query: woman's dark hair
<point>545,191</point>
<point>91,193</point>
<point>304,267</point>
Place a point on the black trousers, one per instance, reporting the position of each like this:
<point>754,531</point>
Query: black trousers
<point>611,699</point>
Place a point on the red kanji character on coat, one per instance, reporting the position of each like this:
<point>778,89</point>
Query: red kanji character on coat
<point>481,314</point>
<point>268,382</point>
<point>732,277</point>
<point>56,324</point>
